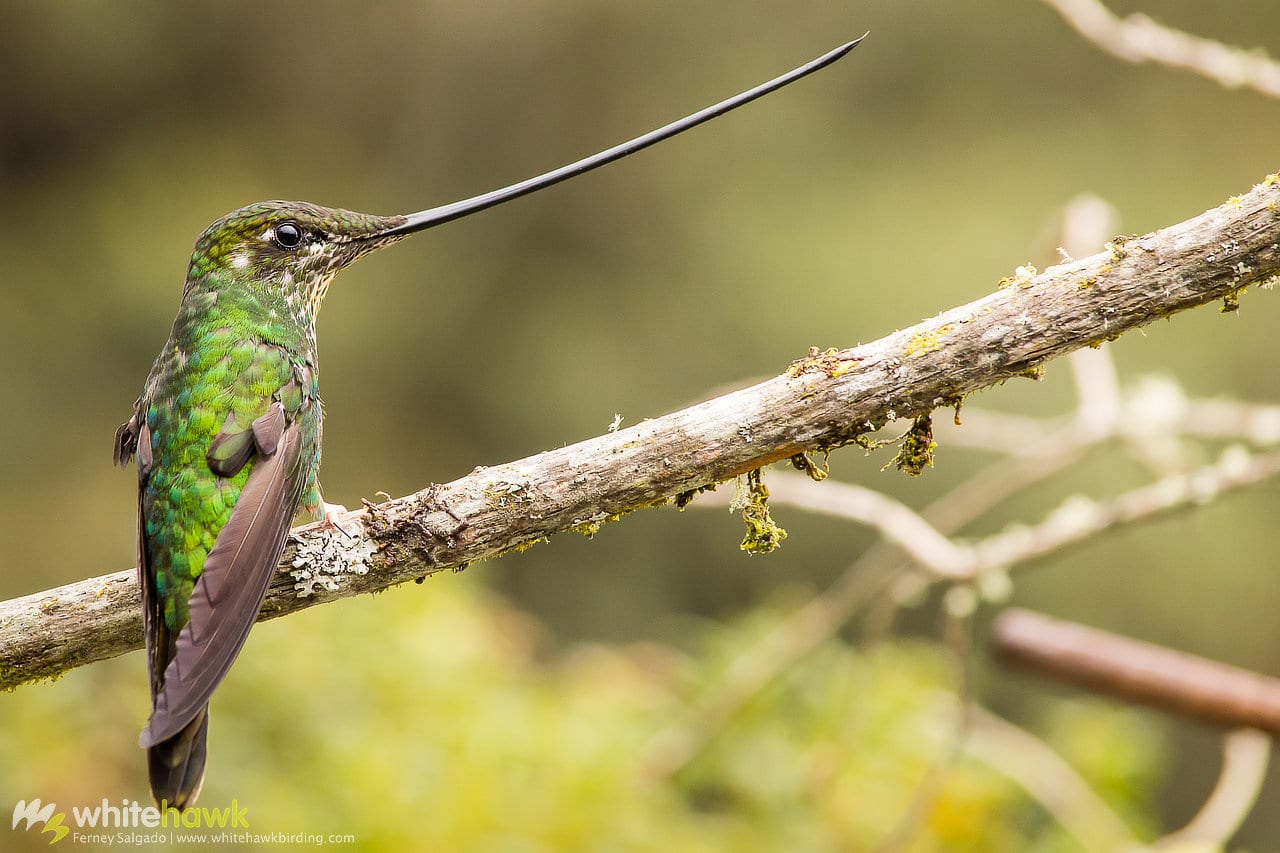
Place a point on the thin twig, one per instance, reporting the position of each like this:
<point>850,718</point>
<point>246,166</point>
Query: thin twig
<point>1232,420</point>
<point>1245,755</point>
<point>1080,519</point>
<point>1048,779</point>
<point>1136,38</point>
<point>1076,521</point>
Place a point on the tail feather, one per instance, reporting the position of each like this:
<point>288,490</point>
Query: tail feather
<point>176,765</point>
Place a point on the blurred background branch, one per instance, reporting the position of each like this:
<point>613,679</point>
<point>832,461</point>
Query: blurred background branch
<point>1138,38</point>
<point>1138,672</point>
<point>1246,702</point>
<point>1053,782</point>
<point>1245,756</point>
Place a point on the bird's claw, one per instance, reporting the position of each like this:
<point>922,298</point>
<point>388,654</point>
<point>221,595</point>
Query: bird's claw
<point>332,512</point>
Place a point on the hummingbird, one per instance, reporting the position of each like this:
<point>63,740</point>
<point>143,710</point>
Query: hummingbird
<point>227,432</point>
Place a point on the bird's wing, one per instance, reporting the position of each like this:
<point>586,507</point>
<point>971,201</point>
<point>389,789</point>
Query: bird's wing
<point>229,591</point>
<point>134,437</point>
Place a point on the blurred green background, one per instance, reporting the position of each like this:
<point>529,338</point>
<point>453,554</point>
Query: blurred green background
<point>504,709</point>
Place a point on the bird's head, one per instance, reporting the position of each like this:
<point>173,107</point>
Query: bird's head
<point>291,246</point>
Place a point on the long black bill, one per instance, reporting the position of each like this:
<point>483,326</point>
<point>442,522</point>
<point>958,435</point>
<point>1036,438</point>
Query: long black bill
<point>458,209</point>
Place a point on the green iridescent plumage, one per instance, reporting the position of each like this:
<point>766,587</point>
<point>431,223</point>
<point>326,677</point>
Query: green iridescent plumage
<point>185,503</point>
<point>227,436</point>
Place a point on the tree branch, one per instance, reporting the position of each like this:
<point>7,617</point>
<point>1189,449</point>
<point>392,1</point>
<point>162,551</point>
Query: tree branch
<point>824,401</point>
<point>1153,675</point>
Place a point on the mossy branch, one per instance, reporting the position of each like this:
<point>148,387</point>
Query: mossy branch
<point>829,399</point>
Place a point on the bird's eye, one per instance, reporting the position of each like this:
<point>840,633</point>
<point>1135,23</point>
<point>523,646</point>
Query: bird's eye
<point>288,235</point>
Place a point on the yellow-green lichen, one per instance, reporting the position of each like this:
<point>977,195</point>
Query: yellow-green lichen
<point>916,452</point>
<point>591,526</point>
<point>831,361</point>
<point>1036,372</point>
<point>685,498</point>
<point>928,341</point>
<point>869,444</point>
<point>763,534</point>
<point>802,462</point>
<point>1087,283</point>
<point>13,677</point>
<point>1021,277</point>
<point>1236,201</point>
<point>525,546</point>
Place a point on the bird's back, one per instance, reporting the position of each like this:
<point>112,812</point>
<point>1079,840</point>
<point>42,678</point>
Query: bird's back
<point>219,370</point>
<point>227,437</point>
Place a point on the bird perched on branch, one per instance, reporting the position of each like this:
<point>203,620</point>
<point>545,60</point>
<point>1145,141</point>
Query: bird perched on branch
<point>227,433</point>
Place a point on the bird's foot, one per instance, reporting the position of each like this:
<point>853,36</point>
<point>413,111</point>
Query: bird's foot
<point>332,512</point>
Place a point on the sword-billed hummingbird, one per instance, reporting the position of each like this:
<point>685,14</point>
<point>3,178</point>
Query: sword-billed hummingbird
<point>227,433</point>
